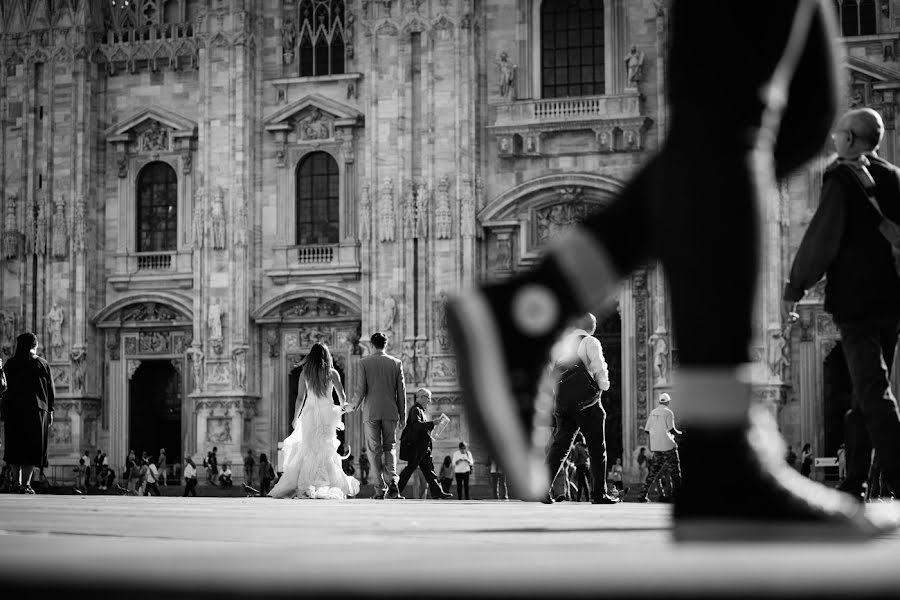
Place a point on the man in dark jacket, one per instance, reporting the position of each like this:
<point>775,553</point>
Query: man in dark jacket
<point>862,292</point>
<point>416,439</point>
<point>27,409</point>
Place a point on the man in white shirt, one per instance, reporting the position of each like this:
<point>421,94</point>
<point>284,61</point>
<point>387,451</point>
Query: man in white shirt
<point>661,429</point>
<point>585,412</point>
<point>190,478</point>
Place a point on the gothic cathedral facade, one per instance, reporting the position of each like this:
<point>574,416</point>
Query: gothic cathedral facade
<point>195,191</point>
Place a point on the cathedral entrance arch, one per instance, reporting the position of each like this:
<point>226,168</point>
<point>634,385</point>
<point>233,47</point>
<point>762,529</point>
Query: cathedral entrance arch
<point>290,325</point>
<point>146,337</point>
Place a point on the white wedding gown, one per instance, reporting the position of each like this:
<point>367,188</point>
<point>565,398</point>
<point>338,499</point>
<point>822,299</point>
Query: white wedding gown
<point>312,466</point>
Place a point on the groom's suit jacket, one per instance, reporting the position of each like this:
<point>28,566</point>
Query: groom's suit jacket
<point>381,388</point>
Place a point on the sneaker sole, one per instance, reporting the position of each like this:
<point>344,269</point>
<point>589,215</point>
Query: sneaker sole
<point>491,401</point>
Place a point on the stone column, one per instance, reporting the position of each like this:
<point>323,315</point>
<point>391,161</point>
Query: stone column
<point>118,413</point>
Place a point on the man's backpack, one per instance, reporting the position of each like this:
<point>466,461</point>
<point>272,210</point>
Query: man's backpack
<point>576,390</point>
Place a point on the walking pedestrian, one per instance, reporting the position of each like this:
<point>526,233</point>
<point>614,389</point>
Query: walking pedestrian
<point>249,464</point>
<point>642,462</point>
<point>363,466</point>
<point>447,473</point>
<point>661,430</point>
<point>266,474</point>
<point>806,461</point>
<point>151,479</point>
<point>163,467</point>
<point>498,481</point>
<point>416,446</point>
<point>190,478</point>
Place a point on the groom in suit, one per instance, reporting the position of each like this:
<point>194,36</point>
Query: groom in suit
<point>382,391</point>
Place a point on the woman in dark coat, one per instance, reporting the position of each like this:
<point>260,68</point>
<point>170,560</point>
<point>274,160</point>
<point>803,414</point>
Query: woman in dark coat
<point>27,409</point>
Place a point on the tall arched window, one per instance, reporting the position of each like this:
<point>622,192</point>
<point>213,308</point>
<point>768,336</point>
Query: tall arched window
<point>573,52</point>
<point>857,17</point>
<point>321,37</point>
<point>317,207</point>
<point>157,208</point>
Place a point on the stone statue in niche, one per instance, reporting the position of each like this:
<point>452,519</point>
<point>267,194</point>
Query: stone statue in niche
<point>217,214</point>
<point>389,314</point>
<point>408,358</point>
<point>239,358</point>
<point>78,355</point>
<point>422,361</point>
<point>198,222</point>
<point>634,62</point>
<point>60,239</point>
<point>272,340</point>
<point>288,41</point>
<point>349,34</point>
<point>54,326</point>
<point>314,127</point>
<point>660,348</point>
<point>195,355</point>
<point>507,73</point>
<point>10,229</point>
<point>40,230</point>
<point>386,210</point>
<point>777,358</point>
<point>214,320</point>
<point>467,212</point>
<point>443,216</point>
<point>422,194</point>
<point>365,214</point>
<point>122,165</point>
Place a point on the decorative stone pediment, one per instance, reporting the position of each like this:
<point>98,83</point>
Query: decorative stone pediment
<point>313,117</point>
<point>874,85</point>
<point>145,310</point>
<point>319,304</point>
<point>152,130</point>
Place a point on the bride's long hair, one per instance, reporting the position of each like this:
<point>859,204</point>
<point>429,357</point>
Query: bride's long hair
<point>317,368</point>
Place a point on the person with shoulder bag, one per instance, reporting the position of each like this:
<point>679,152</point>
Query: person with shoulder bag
<point>582,377</point>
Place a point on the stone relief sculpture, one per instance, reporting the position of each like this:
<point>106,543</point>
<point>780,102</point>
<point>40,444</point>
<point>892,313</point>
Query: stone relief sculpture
<point>217,218</point>
<point>386,211</point>
<point>198,222</point>
<point>10,228</point>
<point>40,230</point>
<point>314,126</point>
<point>467,212</point>
<point>422,201</point>
<point>409,211</point>
<point>241,227</point>
<point>660,349</point>
<point>634,62</point>
<point>195,355</point>
<point>349,34</point>
<point>54,327</point>
<point>440,320</point>
<point>507,73</point>
<point>122,165</point>
<point>272,340</point>
<point>365,214</point>
<point>389,314</point>
<point>155,139</point>
<point>214,320</point>
<point>408,358</point>
<point>422,361</point>
<point>78,359</point>
<point>239,358</point>
<point>79,227</point>
<point>443,216</point>
<point>9,323</point>
<point>60,239</point>
<point>288,41</point>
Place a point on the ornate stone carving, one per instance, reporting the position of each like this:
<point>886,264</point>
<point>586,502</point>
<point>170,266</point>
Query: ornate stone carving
<point>198,228</point>
<point>217,219</point>
<point>365,214</point>
<point>241,229</point>
<point>825,326</point>
<point>40,230</point>
<point>641,311</point>
<point>409,211</point>
<point>777,357</point>
<point>659,345</point>
<point>557,220</point>
<point>60,239</point>
<point>147,311</point>
<point>634,62</point>
<point>467,218</point>
<point>408,359</point>
<point>55,319</point>
<point>315,126</point>
<point>214,319</point>
<point>507,75</point>
<point>388,314</point>
<point>131,367</point>
<point>122,165</point>
<point>187,162</point>
<point>273,342</point>
<point>422,202</point>
<point>155,138</point>
<point>9,320</point>
<point>153,342</point>
<point>112,346</point>
<point>78,367</point>
<point>443,216</point>
<point>386,211</point>
<point>443,368</point>
<point>79,227</point>
<point>440,321</point>
<point>10,228</point>
<point>219,373</point>
<point>349,35</point>
<point>310,335</point>
<point>500,252</point>
<point>806,325</point>
<point>288,41</point>
<point>196,356</point>
<point>239,361</point>
<point>422,361</point>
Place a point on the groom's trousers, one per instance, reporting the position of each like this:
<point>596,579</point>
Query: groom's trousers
<point>381,438</point>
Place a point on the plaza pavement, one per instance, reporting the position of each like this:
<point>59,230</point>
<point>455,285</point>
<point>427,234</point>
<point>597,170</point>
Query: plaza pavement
<point>168,547</point>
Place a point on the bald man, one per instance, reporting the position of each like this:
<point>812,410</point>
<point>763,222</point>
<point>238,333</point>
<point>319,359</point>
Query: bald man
<point>863,291</point>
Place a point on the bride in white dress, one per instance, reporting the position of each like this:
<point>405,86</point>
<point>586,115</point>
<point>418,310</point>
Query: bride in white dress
<point>312,466</point>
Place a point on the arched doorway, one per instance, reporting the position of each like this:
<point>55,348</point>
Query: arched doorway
<point>155,398</point>
<point>837,393</point>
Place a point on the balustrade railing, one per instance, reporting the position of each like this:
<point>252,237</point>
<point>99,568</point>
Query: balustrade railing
<point>568,108</point>
<point>150,33</point>
<point>319,254</point>
<point>157,261</point>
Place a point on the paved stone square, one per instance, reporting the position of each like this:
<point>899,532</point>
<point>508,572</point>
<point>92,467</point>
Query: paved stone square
<point>213,547</point>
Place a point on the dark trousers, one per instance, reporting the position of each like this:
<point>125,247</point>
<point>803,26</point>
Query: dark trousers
<point>151,489</point>
<point>582,472</point>
<point>264,484</point>
<point>498,486</point>
<point>873,419</point>
<point>592,422</point>
<point>462,484</point>
<point>712,270</point>
<point>445,485</point>
<point>663,462</point>
<point>425,463</point>
<point>190,487</point>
